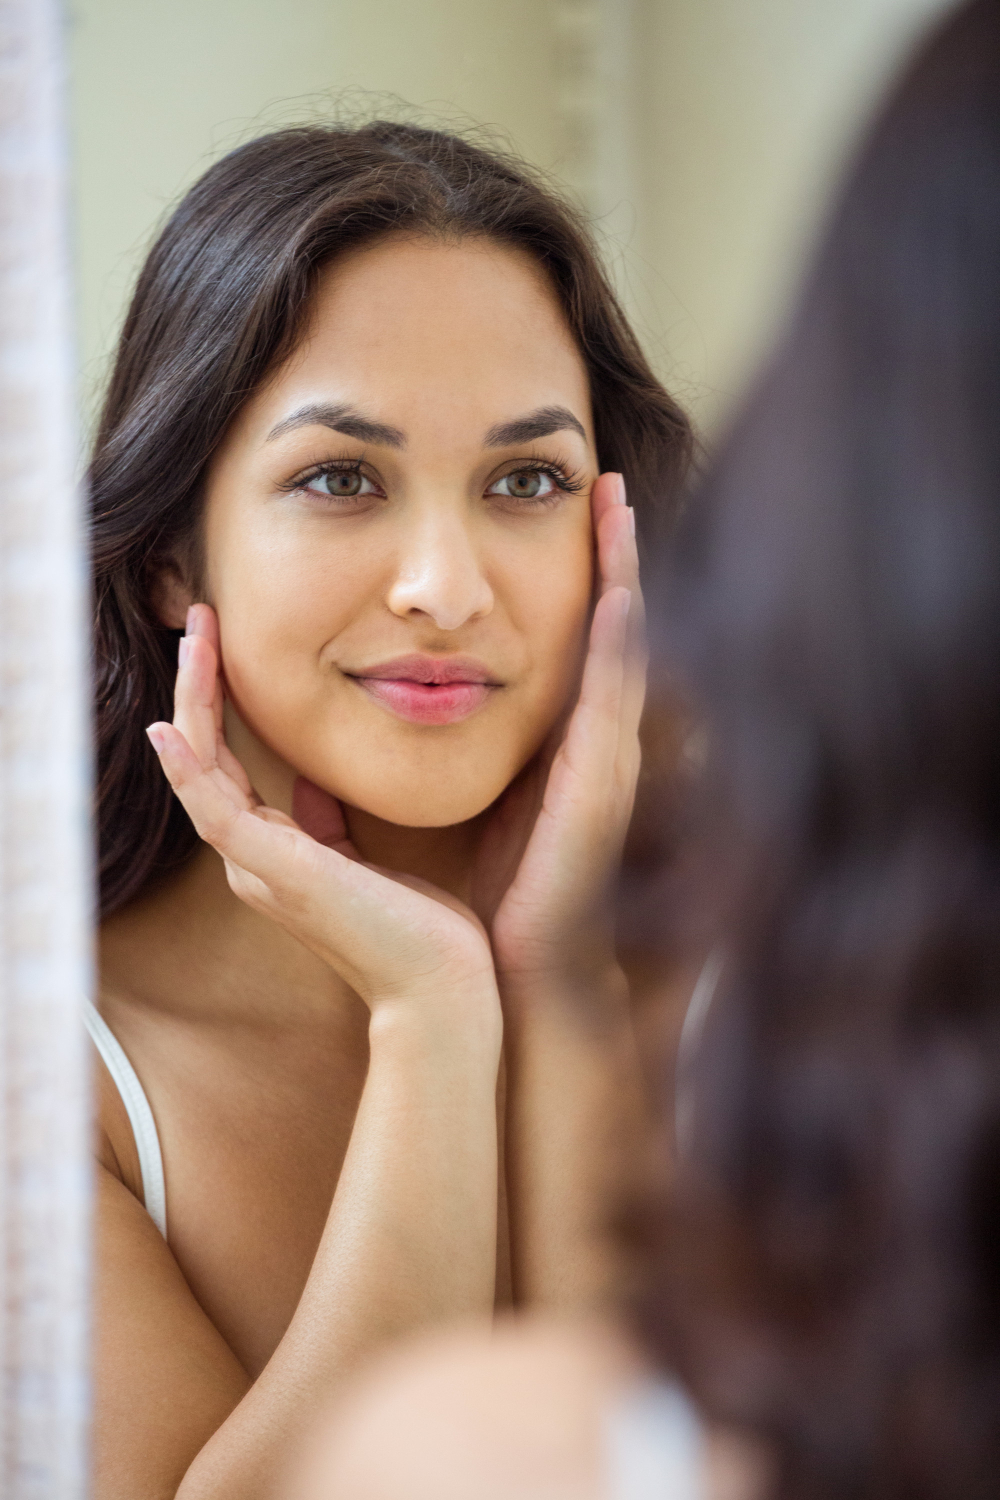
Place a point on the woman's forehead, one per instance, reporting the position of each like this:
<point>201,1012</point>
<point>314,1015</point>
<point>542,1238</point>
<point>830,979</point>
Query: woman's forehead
<point>418,334</point>
<point>440,307</point>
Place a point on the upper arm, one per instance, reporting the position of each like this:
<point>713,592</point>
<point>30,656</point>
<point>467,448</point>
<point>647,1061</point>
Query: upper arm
<point>165,1379</point>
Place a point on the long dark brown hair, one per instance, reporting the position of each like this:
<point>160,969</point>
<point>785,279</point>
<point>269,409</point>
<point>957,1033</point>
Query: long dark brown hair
<point>830,1270</point>
<point>219,303</point>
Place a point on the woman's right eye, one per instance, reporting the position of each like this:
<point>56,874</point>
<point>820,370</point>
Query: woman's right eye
<point>341,484</point>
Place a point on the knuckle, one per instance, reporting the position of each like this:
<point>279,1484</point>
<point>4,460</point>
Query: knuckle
<point>251,890</point>
<point>216,828</point>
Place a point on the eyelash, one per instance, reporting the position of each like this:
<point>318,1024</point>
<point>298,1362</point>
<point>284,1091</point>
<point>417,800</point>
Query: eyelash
<point>565,479</point>
<point>331,466</point>
<point>562,477</point>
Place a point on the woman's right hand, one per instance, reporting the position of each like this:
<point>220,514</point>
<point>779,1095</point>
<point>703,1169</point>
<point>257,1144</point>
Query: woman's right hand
<point>393,938</point>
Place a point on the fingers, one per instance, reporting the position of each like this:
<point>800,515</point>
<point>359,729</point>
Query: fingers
<point>608,492</point>
<point>195,697</point>
<point>203,621</point>
<point>614,531</point>
<point>198,698</point>
<point>252,840</point>
<point>593,735</point>
<point>618,566</point>
<point>233,768</point>
<point>255,843</point>
<point>221,812</point>
<point>198,705</point>
<point>209,797</point>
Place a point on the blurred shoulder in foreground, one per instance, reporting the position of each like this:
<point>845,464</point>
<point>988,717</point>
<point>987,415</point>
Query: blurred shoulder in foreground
<point>535,1410</point>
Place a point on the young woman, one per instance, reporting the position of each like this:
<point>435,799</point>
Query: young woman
<point>364,456</point>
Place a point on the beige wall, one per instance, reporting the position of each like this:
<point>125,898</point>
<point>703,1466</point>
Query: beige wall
<point>750,108</point>
<point>161,89</point>
<point>704,132</point>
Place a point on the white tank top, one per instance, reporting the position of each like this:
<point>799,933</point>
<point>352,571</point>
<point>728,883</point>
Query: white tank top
<point>147,1142</point>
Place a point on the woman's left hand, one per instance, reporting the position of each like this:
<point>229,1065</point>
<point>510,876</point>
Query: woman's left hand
<point>548,858</point>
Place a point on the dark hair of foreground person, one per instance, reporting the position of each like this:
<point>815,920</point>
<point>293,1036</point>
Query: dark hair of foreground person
<point>829,1272</point>
<point>220,303</point>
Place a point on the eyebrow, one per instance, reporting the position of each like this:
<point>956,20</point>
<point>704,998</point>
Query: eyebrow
<point>343,419</point>
<point>535,424</point>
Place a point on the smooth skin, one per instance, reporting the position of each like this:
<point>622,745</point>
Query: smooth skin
<point>318,1002</point>
<point>523,1413</point>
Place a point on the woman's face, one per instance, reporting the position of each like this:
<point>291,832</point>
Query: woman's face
<point>398,535</point>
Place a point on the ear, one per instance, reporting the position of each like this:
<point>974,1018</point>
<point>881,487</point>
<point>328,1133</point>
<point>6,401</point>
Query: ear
<point>171,596</point>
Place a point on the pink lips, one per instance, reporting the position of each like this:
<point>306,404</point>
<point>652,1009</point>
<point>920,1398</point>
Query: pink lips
<point>427,689</point>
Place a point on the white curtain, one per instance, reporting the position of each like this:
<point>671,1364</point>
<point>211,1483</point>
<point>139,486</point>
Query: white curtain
<point>45,945</point>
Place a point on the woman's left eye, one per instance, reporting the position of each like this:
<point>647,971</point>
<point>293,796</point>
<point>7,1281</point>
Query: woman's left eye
<point>525,484</point>
<point>340,484</point>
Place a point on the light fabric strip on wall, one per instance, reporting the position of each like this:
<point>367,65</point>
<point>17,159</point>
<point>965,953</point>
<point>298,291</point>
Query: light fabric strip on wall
<point>45,940</point>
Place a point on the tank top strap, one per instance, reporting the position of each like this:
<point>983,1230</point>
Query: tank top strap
<point>147,1141</point>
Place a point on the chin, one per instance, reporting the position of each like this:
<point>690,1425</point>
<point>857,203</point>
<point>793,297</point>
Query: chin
<point>439,794</point>
<point>438,809</point>
<point>419,780</point>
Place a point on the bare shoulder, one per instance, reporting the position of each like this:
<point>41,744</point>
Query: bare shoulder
<point>483,1415</point>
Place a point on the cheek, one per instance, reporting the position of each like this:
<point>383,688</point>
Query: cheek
<point>549,598</point>
<point>281,593</point>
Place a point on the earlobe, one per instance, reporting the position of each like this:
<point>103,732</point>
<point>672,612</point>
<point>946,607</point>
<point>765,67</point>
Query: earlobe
<point>171,596</point>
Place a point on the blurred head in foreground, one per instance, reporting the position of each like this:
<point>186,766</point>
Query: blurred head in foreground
<point>830,1270</point>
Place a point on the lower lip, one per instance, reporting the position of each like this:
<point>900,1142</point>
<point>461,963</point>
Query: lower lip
<point>426,702</point>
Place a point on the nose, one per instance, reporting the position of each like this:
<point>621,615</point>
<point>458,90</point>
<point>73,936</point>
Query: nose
<point>440,574</point>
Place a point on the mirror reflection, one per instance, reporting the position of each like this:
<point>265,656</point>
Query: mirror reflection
<point>385,408</point>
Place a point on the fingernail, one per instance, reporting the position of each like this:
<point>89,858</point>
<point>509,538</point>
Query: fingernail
<point>182,651</point>
<point>620,490</point>
<point>631,520</point>
<point>626,605</point>
<point>156,738</point>
<point>189,622</point>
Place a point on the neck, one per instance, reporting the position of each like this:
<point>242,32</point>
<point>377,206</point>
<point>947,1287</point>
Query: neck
<point>442,856</point>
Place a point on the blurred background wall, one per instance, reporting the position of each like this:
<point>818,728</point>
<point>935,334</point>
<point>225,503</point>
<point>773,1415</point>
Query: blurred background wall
<point>704,134</point>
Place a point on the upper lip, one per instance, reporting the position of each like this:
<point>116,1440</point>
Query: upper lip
<point>438,670</point>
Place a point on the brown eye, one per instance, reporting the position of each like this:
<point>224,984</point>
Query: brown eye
<point>344,484</point>
<point>340,484</point>
<point>525,484</point>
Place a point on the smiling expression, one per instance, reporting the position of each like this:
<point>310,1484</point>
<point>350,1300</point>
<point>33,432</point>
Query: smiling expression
<point>397,533</point>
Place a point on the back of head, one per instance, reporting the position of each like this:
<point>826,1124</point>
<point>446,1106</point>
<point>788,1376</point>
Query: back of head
<point>836,606</point>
